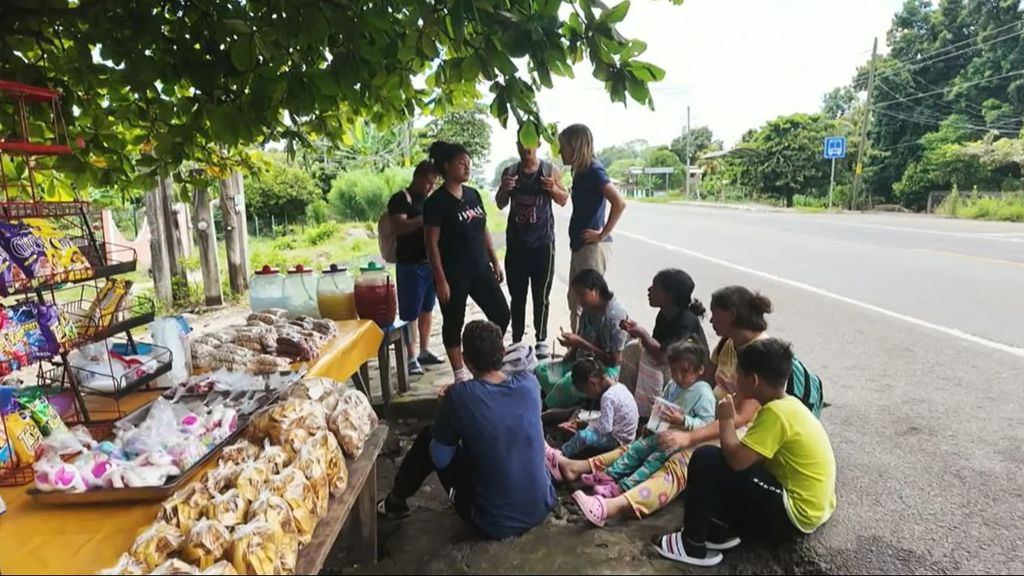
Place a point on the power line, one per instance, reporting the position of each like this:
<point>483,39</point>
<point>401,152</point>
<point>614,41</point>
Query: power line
<point>925,59</point>
<point>953,109</point>
<point>941,91</point>
<point>934,121</point>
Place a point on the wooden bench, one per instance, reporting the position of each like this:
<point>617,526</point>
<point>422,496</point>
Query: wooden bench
<point>356,505</point>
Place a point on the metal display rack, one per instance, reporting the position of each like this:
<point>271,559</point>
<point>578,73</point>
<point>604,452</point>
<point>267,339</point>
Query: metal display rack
<point>73,292</point>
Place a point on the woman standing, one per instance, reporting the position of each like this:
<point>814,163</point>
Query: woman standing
<point>590,228</point>
<point>460,251</point>
<point>529,186</point>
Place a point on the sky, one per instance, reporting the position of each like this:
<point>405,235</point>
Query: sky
<point>736,63</point>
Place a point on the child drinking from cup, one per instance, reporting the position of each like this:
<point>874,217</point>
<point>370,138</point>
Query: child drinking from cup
<point>688,403</point>
<point>619,418</point>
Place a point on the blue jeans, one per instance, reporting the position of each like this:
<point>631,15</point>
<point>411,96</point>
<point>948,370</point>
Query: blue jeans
<point>588,440</point>
<point>416,293</point>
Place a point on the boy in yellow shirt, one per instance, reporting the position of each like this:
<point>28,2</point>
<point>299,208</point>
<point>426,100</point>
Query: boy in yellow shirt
<point>778,481</point>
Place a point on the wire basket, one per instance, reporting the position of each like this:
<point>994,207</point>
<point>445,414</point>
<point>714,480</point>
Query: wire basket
<point>136,310</point>
<point>109,375</point>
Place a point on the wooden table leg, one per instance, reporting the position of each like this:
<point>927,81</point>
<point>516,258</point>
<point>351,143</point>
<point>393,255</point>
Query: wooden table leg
<point>362,383</point>
<point>364,515</point>
<point>402,360</point>
<point>384,359</point>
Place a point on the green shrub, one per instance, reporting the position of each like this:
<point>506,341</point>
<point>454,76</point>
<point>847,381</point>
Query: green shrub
<point>317,235</point>
<point>318,212</point>
<point>286,242</point>
<point>361,195</point>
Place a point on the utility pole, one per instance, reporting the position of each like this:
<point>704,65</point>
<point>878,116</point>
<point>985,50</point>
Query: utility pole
<point>858,169</point>
<point>686,177</point>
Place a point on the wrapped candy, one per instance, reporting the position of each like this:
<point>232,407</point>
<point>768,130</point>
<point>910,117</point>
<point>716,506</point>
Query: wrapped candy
<point>222,476</point>
<point>352,422</point>
<point>241,451</point>
<point>293,487</point>
<point>95,469</point>
<point>252,476</point>
<point>310,463</point>
<point>207,543</point>
<point>275,458</point>
<point>126,566</point>
<point>222,568</point>
<point>175,566</point>
<point>54,475</point>
<point>255,550</point>
<point>228,508</point>
<point>186,506</point>
<point>153,546</point>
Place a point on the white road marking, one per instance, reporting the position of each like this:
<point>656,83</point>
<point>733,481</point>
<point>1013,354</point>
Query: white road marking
<point>956,333</point>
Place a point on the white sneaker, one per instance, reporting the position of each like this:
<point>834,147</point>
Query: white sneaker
<point>542,351</point>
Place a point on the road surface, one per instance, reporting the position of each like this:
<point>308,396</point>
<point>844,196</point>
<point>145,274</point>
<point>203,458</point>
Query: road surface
<point>914,323</point>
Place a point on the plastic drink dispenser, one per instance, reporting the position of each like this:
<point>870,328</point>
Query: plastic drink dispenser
<point>300,293</point>
<point>376,298</point>
<point>266,289</point>
<point>335,293</point>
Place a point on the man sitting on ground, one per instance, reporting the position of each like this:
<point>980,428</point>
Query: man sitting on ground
<point>486,446</point>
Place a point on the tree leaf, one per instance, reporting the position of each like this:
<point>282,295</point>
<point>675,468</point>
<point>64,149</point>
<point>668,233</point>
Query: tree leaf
<point>243,53</point>
<point>237,26</point>
<point>616,14</point>
<point>528,135</point>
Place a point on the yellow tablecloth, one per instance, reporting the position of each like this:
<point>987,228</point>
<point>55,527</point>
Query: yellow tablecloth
<point>37,539</point>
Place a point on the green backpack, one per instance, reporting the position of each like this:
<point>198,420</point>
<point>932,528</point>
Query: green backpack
<point>806,386</point>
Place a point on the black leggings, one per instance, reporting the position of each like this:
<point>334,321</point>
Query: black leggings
<point>456,479</point>
<point>749,502</point>
<point>530,268</point>
<point>484,290</point>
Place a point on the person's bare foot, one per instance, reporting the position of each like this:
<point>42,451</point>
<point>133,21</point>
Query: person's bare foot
<point>572,469</point>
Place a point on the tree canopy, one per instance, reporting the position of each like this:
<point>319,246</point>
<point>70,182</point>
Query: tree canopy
<point>701,141</point>
<point>150,84</point>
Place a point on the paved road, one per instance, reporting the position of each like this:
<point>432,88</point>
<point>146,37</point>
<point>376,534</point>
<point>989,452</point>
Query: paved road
<point>914,324</point>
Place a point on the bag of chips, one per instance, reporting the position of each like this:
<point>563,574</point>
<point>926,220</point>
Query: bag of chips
<point>222,568</point>
<point>34,401</point>
<point>207,543</point>
<point>22,433</point>
<point>255,550</point>
<point>186,506</point>
<point>292,486</point>
<point>252,477</point>
<point>239,452</point>
<point>58,330</point>
<point>126,566</point>
<point>310,463</point>
<point>103,309</point>
<point>275,458</point>
<point>25,337</point>
<point>153,546</point>
<point>65,257</point>
<point>26,251</point>
<point>12,279</point>
<point>222,476</point>
<point>228,508</point>
<point>175,566</point>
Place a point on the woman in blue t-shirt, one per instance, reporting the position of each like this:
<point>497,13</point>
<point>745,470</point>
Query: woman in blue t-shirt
<point>590,228</point>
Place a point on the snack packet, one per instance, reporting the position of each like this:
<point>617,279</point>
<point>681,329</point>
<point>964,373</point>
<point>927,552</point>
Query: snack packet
<point>255,550</point>
<point>22,432</point>
<point>252,477</point>
<point>186,506</point>
<point>228,508</point>
<point>34,401</point>
<point>65,257</point>
<point>153,546</point>
<point>207,543</point>
<point>175,566</point>
<point>26,251</point>
<point>292,486</point>
<point>126,566</point>
<point>103,309</point>
<point>222,568</point>
<point>12,279</point>
<point>57,329</point>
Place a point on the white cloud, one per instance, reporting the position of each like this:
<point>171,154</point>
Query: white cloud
<point>736,63</point>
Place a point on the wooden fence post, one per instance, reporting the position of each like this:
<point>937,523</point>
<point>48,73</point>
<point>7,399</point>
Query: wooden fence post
<point>232,205</point>
<point>159,264</point>
<point>206,236</point>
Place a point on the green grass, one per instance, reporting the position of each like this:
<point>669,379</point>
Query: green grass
<point>347,244</point>
<point>1008,208</point>
<point>666,199</point>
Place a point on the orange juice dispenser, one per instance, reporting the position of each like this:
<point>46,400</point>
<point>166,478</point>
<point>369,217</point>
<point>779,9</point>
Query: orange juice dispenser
<point>335,293</point>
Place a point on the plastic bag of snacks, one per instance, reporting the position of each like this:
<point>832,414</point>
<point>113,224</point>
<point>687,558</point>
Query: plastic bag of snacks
<point>228,508</point>
<point>222,568</point>
<point>310,463</point>
<point>221,477</point>
<point>103,309</point>
<point>255,550</point>
<point>186,506</point>
<point>206,544</point>
<point>352,422</point>
<point>33,400</point>
<point>22,433</point>
<point>126,566</point>
<point>276,458</point>
<point>332,459</point>
<point>252,477</point>
<point>239,452</point>
<point>153,546</point>
<point>293,487</point>
<point>26,251</point>
<point>175,566</point>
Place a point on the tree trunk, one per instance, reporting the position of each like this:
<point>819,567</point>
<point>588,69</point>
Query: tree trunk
<point>232,205</point>
<point>206,236</point>
<point>159,263</point>
<point>172,238</point>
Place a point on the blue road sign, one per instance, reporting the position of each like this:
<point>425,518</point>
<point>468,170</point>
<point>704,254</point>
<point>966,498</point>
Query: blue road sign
<point>835,147</point>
